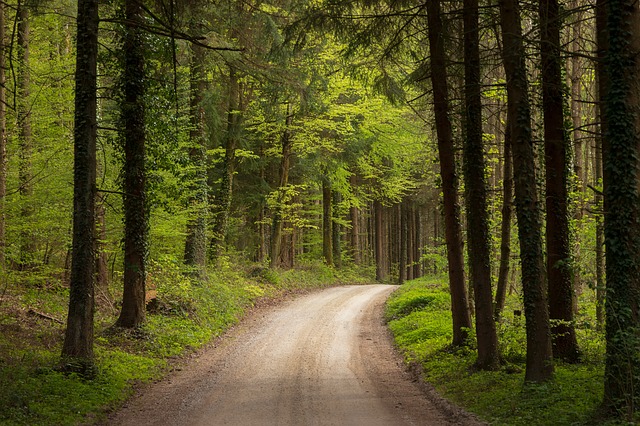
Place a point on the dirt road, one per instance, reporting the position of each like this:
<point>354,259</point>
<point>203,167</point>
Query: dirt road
<point>321,359</point>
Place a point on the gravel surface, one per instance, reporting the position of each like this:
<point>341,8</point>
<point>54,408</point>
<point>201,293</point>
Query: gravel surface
<point>324,358</point>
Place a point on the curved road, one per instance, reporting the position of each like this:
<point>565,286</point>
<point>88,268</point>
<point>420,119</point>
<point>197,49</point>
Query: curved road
<point>321,359</point>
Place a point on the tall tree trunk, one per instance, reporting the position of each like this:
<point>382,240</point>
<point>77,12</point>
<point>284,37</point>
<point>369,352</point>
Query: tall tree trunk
<point>132,313</point>
<point>622,212</point>
<point>600,283</point>
<point>285,164</point>
<point>379,243</point>
<point>453,231</point>
<point>327,244</point>
<point>354,213</point>
<point>539,363</point>
<point>403,234</point>
<point>223,204</point>
<point>336,229</point>
<point>505,227</point>
<point>476,195</point>
<point>25,137</point>
<point>3,138</point>
<point>602,41</point>
<point>417,242</point>
<point>195,244</point>
<point>559,268</point>
<point>78,339</point>
<point>102,275</point>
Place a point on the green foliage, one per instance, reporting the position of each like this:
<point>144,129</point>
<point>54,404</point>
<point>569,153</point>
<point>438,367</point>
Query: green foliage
<point>420,320</point>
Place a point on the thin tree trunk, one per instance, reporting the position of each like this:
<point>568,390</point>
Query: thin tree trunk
<point>3,139</point>
<point>539,363</point>
<point>378,236</point>
<point>25,173</point>
<point>78,339</point>
<point>327,234</point>
<point>559,268</point>
<point>336,229</point>
<point>403,234</point>
<point>453,231</point>
<point>195,243</point>
<point>132,313</point>
<point>356,247</point>
<point>505,229</point>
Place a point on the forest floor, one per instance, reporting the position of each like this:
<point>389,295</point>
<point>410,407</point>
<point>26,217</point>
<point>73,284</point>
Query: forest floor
<point>324,358</point>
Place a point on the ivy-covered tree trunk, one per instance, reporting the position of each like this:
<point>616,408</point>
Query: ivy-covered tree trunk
<point>195,251</point>
<point>505,227</point>
<point>476,195</point>
<point>539,363</point>
<point>559,263</point>
<point>25,137</point>
<point>78,339</point>
<point>223,202</point>
<point>622,212</point>
<point>327,234</point>
<point>132,313</point>
<point>453,229</point>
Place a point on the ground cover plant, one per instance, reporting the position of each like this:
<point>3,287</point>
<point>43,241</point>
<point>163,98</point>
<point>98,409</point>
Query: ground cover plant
<point>418,315</point>
<point>185,316</point>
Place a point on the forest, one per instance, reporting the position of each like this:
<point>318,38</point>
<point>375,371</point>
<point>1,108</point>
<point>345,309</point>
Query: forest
<point>166,164</point>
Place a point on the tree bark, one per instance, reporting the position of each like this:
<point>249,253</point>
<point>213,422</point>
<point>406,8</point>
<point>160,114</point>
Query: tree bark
<point>78,339</point>
<point>132,313</point>
<point>559,263</point>
<point>539,363</point>
<point>453,231</point>
<point>622,209</point>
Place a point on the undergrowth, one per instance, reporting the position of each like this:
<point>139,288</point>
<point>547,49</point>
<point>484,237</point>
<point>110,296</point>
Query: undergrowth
<point>419,316</point>
<point>186,315</point>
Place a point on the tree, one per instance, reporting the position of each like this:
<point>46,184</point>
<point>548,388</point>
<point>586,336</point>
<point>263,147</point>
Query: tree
<point>3,138</point>
<point>622,207</point>
<point>539,363</point>
<point>476,195</point>
<point>453,231</point>
<point>25,135</point>
<point>78,340</point>
<point>132,313</point>
<point>559,264</point>
<point>195,244</point>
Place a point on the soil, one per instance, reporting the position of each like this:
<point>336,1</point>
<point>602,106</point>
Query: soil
<point>324,358</point>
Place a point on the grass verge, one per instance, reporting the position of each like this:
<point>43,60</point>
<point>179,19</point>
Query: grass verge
<point>187,315</point>
<point>419,316</point>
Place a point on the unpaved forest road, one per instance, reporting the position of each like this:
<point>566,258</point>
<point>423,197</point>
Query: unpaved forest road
<point>321,359</point>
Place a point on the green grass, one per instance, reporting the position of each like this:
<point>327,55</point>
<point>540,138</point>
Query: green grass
<point>419,317</point>
<point>187,316</point>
